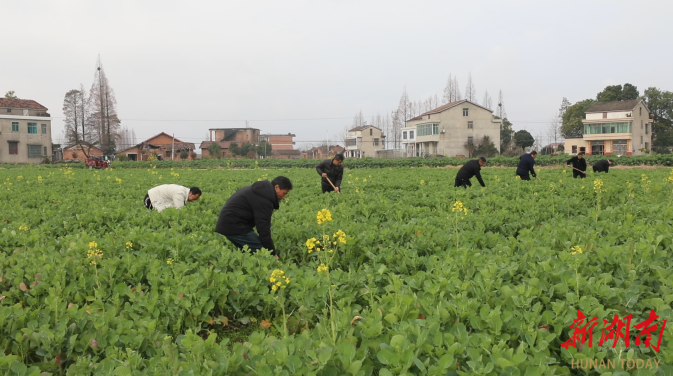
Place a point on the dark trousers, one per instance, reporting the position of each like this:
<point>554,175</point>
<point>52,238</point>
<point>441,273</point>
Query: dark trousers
<point>328,188</point>
<point>147,202</point>
<point>460,182</point>
<point>250,239</point>
<point>598,169</point>
<point>525,176</point>
<point>578,173</point>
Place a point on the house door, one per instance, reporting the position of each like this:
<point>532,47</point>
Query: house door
<point>597,147</point>
<point>619,147</point>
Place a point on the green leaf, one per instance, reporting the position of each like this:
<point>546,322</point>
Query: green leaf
<point>386,356</point>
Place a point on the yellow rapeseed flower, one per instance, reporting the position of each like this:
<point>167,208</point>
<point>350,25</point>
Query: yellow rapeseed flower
<point>278,280</point>
<point>459,207</point>
<point>576,249</point>
<point>169,261</point>
<point>323,216</point>
<point>322,268</point>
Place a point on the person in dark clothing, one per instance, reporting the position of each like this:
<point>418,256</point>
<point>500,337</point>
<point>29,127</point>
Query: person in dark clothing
<point>469,170</point>
<point>603,166</point>
<point>579,165</point>
<point>249,207</point>
<point>333,170</point>
<point>526,165</point>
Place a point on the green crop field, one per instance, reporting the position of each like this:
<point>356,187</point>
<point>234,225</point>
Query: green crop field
<point>411,276</point>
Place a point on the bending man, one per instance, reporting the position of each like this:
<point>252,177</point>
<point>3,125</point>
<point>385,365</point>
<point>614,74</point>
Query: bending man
<point>333,170</point>
<point>470,169</point>
<point>249,207</point>
<point>526,165</point>
<point>603,166</point>
<point>170,196</point>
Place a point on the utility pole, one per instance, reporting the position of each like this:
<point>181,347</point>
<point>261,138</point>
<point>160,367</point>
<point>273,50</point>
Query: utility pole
<point>173,149</point>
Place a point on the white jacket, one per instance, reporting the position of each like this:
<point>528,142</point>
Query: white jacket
<point>168,196</point>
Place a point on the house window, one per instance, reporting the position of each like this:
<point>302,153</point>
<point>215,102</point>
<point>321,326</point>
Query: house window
<point>411,134</point>
<point>641,124</point>
<point>376,142</point>
<point>466,111</point>
<point>371,132</point>
<point>641,111</point>
<point>44,128</point>
<point>428,129</point>
<point>404,135</point>
<point>469,140</point>
<point>15,126</point>
<point>34,151</point>
<point>32,127</point>
<point>9,110</point>
<point>435,128</point>
<point>605,115</point>
<point>44,151</point>
<point>647,128</point>
<point>168,154</point>
<point>13,147</point>
<point>647,145</point>
<point>641,141</point>
<point>574,148</point>
<point>470,125</point>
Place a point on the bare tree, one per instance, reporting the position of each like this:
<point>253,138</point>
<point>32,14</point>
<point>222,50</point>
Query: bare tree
<point>470,91</point>
<point>500,112</point>
<point>554,131</point>
<point>565,103</point>
<point>74,109</point>
<point>456,90</point>
<point>127,138</point>
<point>103,105</point>
<point>448,91</point>
<point>487,102</point>
<point>400,117</point>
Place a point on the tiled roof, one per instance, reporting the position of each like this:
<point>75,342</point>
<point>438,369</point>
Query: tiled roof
<point>83,143</point>
<point>446,107</point>
<point>21,103</point>
<point>286,152</point>
<point>363,127</point>
<point>614,106</point>
<point>223,144</point>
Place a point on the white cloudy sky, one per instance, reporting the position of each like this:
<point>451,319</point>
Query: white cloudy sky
<point>183,67</point>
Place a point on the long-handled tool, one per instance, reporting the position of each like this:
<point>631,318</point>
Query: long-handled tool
<point>330,182</point>
<point>584,172</point>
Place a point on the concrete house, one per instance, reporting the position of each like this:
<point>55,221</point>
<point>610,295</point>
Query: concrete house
<point>364,141</point>
<point>446,129</point>
<point>620,128</point>
<point>25,131</point>
<point>321,152</point>
<point>163,146</point>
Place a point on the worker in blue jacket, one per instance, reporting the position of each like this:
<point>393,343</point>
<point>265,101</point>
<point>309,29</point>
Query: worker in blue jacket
<point>526,165</point>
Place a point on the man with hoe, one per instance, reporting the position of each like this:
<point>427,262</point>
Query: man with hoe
<point>249,207</point>
<point>332,172</point>
<point>170,196</point>
<point>602,166</point>
<point>579,165</point>
<point>526,165</point>
<point>470,169</point>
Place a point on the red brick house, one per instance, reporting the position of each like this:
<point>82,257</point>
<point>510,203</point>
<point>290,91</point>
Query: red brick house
<point>161,145</point>
<point>80,150</point>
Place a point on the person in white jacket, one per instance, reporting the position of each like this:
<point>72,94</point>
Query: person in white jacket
<point>170,196</point>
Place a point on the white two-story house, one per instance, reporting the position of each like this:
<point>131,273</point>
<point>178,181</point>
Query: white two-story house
<point>364,141</point>
<point>25,131</point>
<point>619,128</point>
<point>446,129</point>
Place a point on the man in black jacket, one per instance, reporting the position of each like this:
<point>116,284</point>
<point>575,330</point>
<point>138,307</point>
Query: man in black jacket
<point>333,170</point>
<point>603,166</point>
<point>526,165</point>
<point>249,207</point>
<point>470,169</point>
<point>579,165</point>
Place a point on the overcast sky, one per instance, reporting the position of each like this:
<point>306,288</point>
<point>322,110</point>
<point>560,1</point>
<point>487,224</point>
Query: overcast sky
<point>183,67</point>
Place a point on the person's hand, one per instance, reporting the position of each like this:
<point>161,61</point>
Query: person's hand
<point>337,189</point>
<point>277,258</point>
<point>567,165</point>
<point>324,175</point>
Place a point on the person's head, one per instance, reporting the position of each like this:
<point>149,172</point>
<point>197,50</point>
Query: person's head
<point>482,161</point>
<point>282,186</point>
<point>338,160</point>
<point>194,194</point>
<point>610,161</point>
<point>533,153</point>
<point>580,155</point>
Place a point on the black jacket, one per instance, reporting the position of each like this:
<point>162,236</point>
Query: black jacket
<point>580,164</point>
<point>526,163</point>
<point>334,173</point>
<point>249,207</point>
<point>469,170</point>
<point>602,166</point>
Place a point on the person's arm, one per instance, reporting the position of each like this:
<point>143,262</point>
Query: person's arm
<point>569,161</point>
<point>320,168</point>
<point>532,168</point>
<point>179,199</point>
<point>481,181</point>
<point>263,225</point>
<point>340,175</point>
